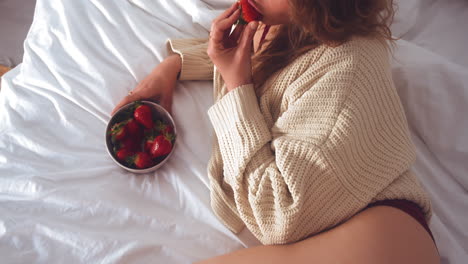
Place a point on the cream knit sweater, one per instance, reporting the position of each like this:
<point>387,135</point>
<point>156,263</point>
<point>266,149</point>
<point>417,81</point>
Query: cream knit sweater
<point>326,138</point>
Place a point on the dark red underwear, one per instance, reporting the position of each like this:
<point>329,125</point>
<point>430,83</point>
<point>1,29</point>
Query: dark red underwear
<point>408,207</point>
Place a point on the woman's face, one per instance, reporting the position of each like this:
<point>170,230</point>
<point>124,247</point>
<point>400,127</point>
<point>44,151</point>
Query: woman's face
<point>274,12</point>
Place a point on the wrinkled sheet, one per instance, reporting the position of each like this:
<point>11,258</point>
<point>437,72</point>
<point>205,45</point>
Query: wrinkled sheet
<point>430,70</point>
<point>63,200</point>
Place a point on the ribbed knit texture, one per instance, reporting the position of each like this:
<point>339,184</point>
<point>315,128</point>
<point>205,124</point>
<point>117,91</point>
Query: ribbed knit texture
<point>192,52</point>
<point>327,137</point>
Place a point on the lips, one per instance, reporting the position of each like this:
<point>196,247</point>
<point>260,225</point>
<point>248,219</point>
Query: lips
<point>254,5</point>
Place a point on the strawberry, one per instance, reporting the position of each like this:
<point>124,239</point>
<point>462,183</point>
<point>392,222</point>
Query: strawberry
<point>142,115</point>
<point>248,13</point>
<point>118,131</point>
<point>162,128</point>
<point>149,141</point>
<point>133,127</point>
<point>162,146</point>
<point>169,130</point>
<point>130,144</point>
<point>124,153</point>
<point>142,160</point>
<point>149,136</point>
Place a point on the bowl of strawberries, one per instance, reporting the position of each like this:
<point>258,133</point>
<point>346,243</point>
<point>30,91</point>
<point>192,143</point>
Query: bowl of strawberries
<point>140,136</point>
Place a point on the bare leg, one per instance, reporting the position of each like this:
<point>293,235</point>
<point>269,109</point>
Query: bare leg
<point>380,234</point>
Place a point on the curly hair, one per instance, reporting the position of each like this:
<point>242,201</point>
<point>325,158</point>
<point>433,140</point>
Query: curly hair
<point>317,22</point>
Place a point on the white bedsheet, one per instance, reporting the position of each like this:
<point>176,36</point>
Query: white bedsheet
<point>431,75</point>
<point>63,200</point>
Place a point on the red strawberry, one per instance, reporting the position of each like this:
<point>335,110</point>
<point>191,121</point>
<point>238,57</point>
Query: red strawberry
<point>133,127</point>
<point>149,142</point>
<point>248,13</point>
<point>130,144</point>
<point>142,160</point>
<point>124,153</point>
<point>162,146</point>
<point>118,131</point>
<point>169,130</point>
<point>142,114</point>
<point>162,128</point>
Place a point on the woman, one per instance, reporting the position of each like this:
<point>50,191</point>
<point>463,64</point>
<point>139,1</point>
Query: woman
<point>312,151</point>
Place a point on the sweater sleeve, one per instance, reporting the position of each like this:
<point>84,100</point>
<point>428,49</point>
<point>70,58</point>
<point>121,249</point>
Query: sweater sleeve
<point>325,158</point>
<point>196,64</point>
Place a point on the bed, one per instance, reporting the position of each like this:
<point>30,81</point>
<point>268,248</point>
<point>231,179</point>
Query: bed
<point>62,199</point>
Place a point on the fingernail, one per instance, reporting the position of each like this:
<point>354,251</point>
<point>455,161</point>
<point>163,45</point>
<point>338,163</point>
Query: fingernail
<point>254,25</point>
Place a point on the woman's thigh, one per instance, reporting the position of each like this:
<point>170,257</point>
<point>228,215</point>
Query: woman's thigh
<point>379,234</point>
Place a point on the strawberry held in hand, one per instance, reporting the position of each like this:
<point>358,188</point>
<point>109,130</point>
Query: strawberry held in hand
<point>143,115</point>
<point>248,13</point>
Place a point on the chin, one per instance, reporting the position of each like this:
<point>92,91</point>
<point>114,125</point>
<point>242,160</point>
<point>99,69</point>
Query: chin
<point>272,21</point>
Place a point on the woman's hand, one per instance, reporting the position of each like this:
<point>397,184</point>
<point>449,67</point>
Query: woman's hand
<point>158,85</point>
<point>231,53</point>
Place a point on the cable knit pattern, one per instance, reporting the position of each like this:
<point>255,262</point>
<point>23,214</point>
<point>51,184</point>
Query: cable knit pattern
<point>327,137</point>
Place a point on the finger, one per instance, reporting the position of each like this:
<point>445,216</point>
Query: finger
<point>233,39</point>
<point>228,22</point>
<point>167,104</point>
<point>247,37</point>
<point>235,35</point>
<point>228,11</point>
<point>118,106</point>
<point>126,100</point>
<point>219,29</point>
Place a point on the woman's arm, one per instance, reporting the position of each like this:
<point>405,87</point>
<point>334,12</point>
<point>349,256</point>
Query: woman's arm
<point>158,85</point>
<point>187,60</point>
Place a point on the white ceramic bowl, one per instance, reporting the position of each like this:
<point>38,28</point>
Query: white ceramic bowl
<point>157,111</point>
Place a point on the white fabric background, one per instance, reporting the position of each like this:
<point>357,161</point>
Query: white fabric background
<point>431,74</point>
<point>63,200</point>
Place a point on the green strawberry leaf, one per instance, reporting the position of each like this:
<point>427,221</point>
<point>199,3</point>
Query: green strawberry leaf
<point>130,160</point>
<point>170,137</point>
